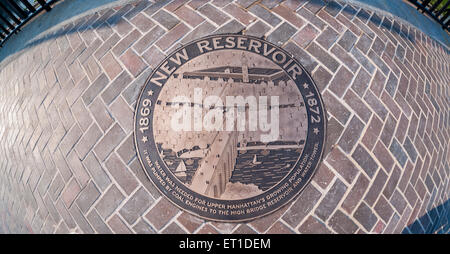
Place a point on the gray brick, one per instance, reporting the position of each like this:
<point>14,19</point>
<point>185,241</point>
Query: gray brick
<point>398,152</point>
<point>270,3</point>
<point>384,209</point>
<point>376,187</point>
<point>259,29</point>
<point>314,5</point>
<point>126,42</point>
<point>245,3</point>
<point>231,27</point>
<point>109,202</point>
<point>362,60</point>
<point>123,114</point>
<point>317,22</point>
<point>66,115</point>
<point>302,206</point>
<point>365,216</point>
<point>107,45</point>
<point>351,134</point>
<point>56,187</point>
<point>130,94</point>
<point>376,105</point>
<point>363,158</point>
<point>148,39</point>
<point>323,57</point>
<point>166,19</point>
<point>331,200</point>
<point>109,142</point>
<point>347,40</point>
<point>98,174</point>
<point>410,149</point>
<point>155,7</point>
<point>56,138</point>
<point>333,8</point>
<point>88,140</point>
<point>87,197</point>
<point>77,91</point>
<point>265,15</point>
<point>361,82</point>
<point>327,38</point>
<point>136,206</point>
<point>391,84</point>
<point>139,172</point>
<point>377,60</point>
<point>282,34</point>
<point>81,220</point>
<point>94,89</point>
<point>341,81</point>
<point>78,169</point>
<point>101,114</point>
<point>61,165</point>
<point>143,227</point>
<point>202,30</point>
<point>127,150</point>
<point>116,87</point>
<point>378,46</point>
<point>303,57</point>
<point>214,14</point>
<point>345,58</point>
<point>342,224</point>
<point>121,174</point>
<point>118,226</point>
<point>97,222</point>
<point>67,218</point>
<point>70,140</point>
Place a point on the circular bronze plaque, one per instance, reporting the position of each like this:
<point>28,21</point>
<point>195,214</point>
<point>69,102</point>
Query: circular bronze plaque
<point>230,127</point>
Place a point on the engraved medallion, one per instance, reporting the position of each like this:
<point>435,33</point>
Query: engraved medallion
<point>230,127</point>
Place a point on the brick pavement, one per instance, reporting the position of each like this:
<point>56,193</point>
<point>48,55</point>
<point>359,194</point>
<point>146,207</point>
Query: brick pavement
<point>66,116</point>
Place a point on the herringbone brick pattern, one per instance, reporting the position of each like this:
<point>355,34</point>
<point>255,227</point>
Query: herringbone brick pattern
<point>68,162</point>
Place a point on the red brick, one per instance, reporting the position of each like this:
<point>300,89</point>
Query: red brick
<point>357,105</point>
<point>355,194</point>
<point>263,223</point>
<point>391,105</point>
<point>313,226</point>
<point>376,187</point>
<point>190,222</point>
<point>342,165</point>
<point>243,16</point>
<point>70,192</point>
<point>161,213</point>
<point>110,65</point>
<point>175,5</point>
<point>190,17</point>
<point>289,15</point>
<point>207,229</point>
<point>133,63</point>
<point>383,156</point>
<point>279,228</point>
<point>214,14</point>
<point>323,176</point>
<point>338,110</point>
<point>341,81</point>
<point>306,35</point>
<point>372,132</point>
<point>118,226</point>
<point>394,178</point>
<point>142,22</point>
<point>172,36</point>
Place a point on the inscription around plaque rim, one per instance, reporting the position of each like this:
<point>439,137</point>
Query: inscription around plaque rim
<point>230,127</point>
